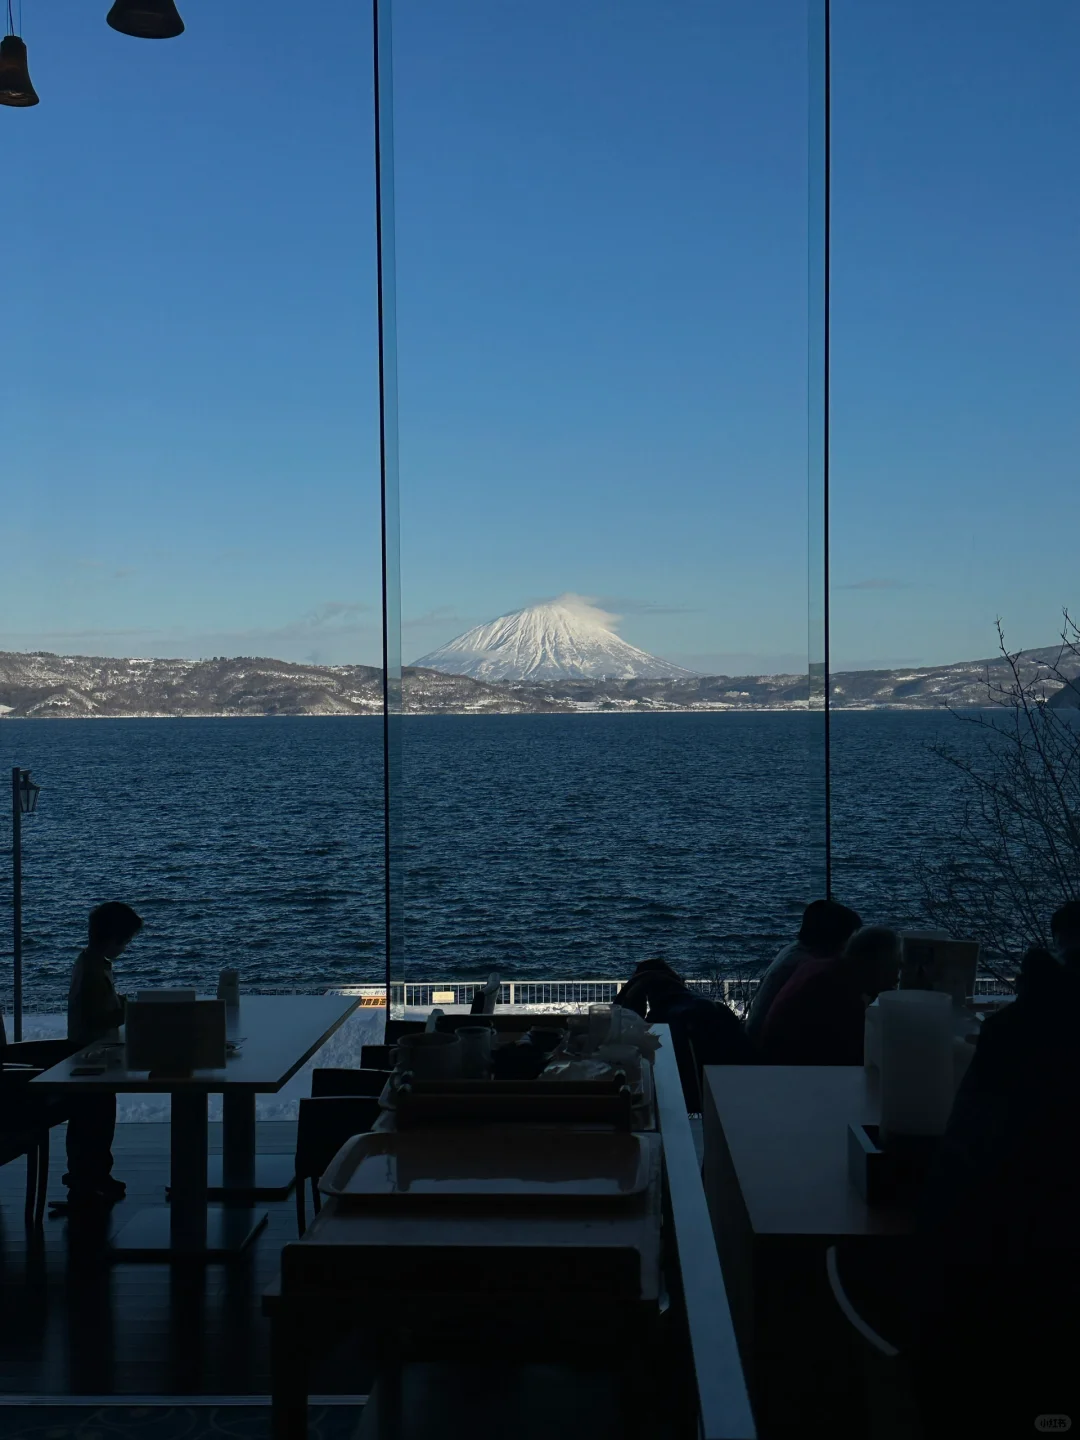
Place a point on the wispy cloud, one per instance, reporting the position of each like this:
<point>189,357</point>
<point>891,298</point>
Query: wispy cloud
<point>876,583</point>
<point>124,573</point>
<point>441,615</point>
<point>41,638</point>
<point>588,608</point>
<point>624,606</point>
<point>330,615</point>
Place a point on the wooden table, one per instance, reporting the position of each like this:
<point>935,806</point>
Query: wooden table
<point>776,1179</point>
<point>280,1033</point>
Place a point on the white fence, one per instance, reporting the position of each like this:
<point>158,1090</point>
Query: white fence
<point>735,991</point>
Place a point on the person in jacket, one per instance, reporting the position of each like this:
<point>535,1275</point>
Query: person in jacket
<point>95,1013</point>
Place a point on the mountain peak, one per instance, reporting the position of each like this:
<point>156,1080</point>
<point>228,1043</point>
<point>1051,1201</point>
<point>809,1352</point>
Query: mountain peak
<point>563,639</point>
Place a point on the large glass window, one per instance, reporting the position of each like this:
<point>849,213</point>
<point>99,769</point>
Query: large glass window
<point>601,301</point>
<point>602,345</point>
<point>954,421</point>
<point>192,506</point>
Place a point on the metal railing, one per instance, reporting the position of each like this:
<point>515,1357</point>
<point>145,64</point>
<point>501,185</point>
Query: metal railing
<point>735,991</point>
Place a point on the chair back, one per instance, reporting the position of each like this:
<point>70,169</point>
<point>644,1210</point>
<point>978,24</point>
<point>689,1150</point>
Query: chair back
<point>395,1029</point>
<point>322,1127</point>
<point>364,1082</point>
<point>375,1057</point>
<point>851,1314</point>
<point>870,1287</point>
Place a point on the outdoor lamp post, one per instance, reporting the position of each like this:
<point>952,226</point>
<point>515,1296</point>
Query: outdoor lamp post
<point>24,798</point>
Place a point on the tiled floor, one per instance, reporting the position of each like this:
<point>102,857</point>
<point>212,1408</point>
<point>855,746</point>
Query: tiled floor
<point>74,1323</point>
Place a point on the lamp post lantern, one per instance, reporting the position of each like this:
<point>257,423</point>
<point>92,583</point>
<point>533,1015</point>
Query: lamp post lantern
<point>24,798</point>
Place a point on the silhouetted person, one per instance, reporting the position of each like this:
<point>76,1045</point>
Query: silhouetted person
<point>95,1012</point>
<point>1065,930</point>
<point>997,1223</point>
<point>701,1031</point>
<point>825,930</point>
<point>819,1017</point>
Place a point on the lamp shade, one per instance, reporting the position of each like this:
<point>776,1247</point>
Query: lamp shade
<point>146,19</point>
<point>15,84</point>
<point>28,793</point>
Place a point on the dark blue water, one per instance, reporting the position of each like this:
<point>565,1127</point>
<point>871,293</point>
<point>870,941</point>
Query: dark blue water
<point>548,846</point>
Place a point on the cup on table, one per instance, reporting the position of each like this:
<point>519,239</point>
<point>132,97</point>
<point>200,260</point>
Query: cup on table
<point>228,987</point>
<point>434,1056</point>
<point>599,1025</point>
<point>475,1050</point>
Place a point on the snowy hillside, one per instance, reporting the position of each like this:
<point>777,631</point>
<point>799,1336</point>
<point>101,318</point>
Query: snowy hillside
<point>564,639</point>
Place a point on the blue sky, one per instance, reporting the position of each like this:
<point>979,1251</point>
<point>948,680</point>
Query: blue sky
<point>602,299</point>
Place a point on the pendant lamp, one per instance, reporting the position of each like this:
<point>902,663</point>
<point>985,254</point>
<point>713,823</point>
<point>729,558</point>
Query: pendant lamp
<point>146,19</point>
<point>16,87</point>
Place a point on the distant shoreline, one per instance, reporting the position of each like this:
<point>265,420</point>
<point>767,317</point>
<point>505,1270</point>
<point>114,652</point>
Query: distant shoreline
<point>627,712</point>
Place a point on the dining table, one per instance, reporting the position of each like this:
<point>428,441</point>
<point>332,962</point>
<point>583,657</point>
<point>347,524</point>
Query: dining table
<point>271,1037</point>
<point>779,1192</point>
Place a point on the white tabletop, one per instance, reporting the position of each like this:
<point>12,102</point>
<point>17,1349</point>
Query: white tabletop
<point>279,1033</point>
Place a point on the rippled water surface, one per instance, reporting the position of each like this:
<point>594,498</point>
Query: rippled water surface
<point>548,845</point>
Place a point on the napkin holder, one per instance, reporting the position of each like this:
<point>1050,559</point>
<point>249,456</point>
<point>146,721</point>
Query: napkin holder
<point>889,1172</point>
<point>175,1038</point>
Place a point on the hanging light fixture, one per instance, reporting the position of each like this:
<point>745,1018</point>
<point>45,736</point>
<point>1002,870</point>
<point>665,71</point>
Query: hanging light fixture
<point>146,19</point>
<point>16,87</point>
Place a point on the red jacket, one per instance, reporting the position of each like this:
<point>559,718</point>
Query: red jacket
<point>818,1018</point>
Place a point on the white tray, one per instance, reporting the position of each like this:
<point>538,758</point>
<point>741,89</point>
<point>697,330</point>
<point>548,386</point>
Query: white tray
<point>496,1163</point>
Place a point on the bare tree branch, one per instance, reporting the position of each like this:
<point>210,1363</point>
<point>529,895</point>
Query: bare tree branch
<point>1017,855</point>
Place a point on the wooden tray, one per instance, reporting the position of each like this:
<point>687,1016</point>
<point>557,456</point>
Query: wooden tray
<point>504,1166</point>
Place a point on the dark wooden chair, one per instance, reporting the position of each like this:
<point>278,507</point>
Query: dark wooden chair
<point>26,1118</point>
<point>365,1081</point>
<point>323,1125</point>
<point>395,1029</point>
<point>24,1131</point>
<point>870,1287</point>
<point>375,1057</point>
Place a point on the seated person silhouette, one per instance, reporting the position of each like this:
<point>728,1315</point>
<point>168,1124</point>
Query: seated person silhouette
<point>702,1032</point>
<point>95,1012</point>
<point>997,1222</point>
<point>1065,932</point>
<point>826,928</point>
<point>819,1017</point>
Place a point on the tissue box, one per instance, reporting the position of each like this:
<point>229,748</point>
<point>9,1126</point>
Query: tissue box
<point>892,1174</point>
<point>175,1038</point>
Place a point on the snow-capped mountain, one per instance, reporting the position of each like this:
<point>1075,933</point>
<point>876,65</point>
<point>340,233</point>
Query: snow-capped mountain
<point>564,639</point>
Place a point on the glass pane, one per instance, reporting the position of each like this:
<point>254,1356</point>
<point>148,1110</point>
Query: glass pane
<point>818,369</point>
<point>191,467</point>
<point>602,231</point>
<point>955,380</point>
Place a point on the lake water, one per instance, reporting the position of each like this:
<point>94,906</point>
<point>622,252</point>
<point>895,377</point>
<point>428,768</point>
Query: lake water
<point>548,846</point>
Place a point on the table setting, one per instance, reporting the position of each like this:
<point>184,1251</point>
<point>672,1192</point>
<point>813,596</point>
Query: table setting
<point>595,1068</point>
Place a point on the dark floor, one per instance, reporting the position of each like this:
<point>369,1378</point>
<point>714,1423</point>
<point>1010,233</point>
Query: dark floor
<point>167,1422</point>
<point>74,1323</point>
